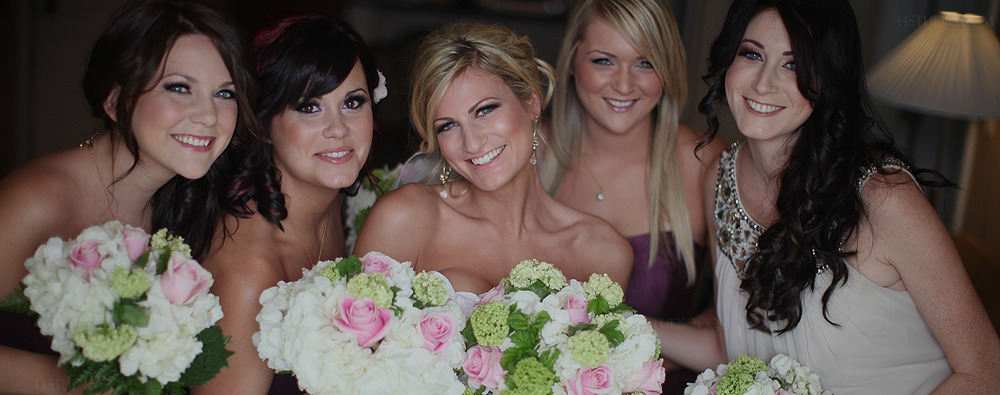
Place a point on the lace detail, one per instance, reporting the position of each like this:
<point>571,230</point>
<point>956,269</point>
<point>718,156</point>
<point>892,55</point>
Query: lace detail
<point>882,162</point>
<point>735,232</point>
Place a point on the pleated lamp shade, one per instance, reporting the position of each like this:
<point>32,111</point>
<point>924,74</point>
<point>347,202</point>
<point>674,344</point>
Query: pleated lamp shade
<point>949,66</point>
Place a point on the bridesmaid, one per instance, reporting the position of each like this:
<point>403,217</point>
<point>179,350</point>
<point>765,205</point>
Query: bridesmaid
<point>167,82</point>
<point>618,152</point>
<point>318,83</point>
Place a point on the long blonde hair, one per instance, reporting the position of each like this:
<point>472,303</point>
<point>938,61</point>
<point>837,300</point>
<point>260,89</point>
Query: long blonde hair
<point>495,49</point>
<point>650,28</point>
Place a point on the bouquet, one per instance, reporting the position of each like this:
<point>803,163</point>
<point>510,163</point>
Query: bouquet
<point>747,375</point>
<point>536,333</point>
<point>364,326</point>
<point>126,312</point>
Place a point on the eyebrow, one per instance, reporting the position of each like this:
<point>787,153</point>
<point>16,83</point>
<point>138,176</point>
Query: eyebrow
<point>757,43</point>
<point>192,79</point>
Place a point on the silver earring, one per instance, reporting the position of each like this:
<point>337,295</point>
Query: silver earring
<point>534,144</point>
<point>445,173</point>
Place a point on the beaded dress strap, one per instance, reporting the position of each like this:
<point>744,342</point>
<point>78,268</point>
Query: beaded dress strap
<point>735,232</point>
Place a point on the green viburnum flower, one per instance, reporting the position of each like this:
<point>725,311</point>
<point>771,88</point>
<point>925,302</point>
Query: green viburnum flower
<point>100,344</point>
<point>740,374</point>
<point>160,240</point>
<point>602,319</point>
<point>468,391</point>
<point>656,353</point>
<point>531,377</point>
<point>430,289</point>
<point>590,348</point>
<point>330,271</point>
<point>489,323</point>
<point>373,286</point>
<point>601,284</point>
<point>129,284</point>
<point>528,271</point>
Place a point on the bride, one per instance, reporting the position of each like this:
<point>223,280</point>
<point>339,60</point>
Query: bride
<point>478,92</point>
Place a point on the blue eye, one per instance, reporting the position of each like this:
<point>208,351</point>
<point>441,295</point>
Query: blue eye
<point>486,109</point>
<point>602,61</point>
<point>226,94</point>
<point>445,127</point>
<point>178,88</point>
<point>790,65</point>
<point>645,65</point>
<point>752,55</point>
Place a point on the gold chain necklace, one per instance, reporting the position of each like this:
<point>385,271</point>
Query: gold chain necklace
<point>600,189</point>
<point>100,176</point>
<point>322,241</point>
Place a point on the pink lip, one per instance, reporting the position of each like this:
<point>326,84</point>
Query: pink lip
<point>192,147</point>
<point>620,109</point>
<point>337,160</point>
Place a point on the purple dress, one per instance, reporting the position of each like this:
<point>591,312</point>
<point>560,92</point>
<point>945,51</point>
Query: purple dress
<point>661,292</point>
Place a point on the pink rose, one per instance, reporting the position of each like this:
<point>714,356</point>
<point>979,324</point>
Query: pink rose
<point>85,255</point>
<point>577,309</point>
<point>184,279</point>
<point>135,241</point>
<point>780,392</point>
<point>648,379</point>
<point>363,318</point>
<point>376,263</point>
<point>496,293</point>
<point>592,381</point>
<point>438,330</point>
<point>482,364</point>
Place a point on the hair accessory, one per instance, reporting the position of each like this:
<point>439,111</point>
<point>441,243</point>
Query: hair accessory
<point>380,92</point>
<point>534,148</point>
<point>445,172</point>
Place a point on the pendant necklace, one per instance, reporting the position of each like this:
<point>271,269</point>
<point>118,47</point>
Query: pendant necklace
<point>322,241</point>
<point>89,143</point>
<point>600,189</point>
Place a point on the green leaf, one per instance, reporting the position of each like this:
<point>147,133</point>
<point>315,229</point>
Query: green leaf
<point>548,358</point>
<point>524,339</point>
<point>161,261</point>
<point>622,308</point>
<point>141,261</point>
<point>481,390</point>
<point>211,360</point>
<point>127,311</point>
<point>152,387</point>
<point>540,289</point>
<point>16,302</point>
<point>470,337</point>
<point>540,321</point>
<point>514,354</point>
<point>581,327</point>
<point>599,305</point>
<point>349,266</point>
<point>519,321</point>
<point>174,388</point>
<point>615,336</point>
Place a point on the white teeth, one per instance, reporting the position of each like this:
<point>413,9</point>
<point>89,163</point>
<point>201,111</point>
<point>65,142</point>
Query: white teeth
<point>335,155</point>
<point>763,108</point>
<point>482,160</point>
<point>619,103</point>
<point>192,140</point>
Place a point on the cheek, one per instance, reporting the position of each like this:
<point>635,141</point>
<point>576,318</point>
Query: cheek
<point>288,135</point>
<point>228,115</point>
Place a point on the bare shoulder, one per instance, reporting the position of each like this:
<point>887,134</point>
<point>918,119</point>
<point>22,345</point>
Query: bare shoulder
<point>602,249</point>
<point>894,196</point>
<point>398,222</point>
<point>43,191</point>
<point>690,156</point>
<point>248,257</point>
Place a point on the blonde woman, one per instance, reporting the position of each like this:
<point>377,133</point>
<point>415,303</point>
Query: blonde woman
<point>478,92</point>
<point>617,151</point>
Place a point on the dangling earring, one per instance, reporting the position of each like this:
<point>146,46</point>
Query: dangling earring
<point>445,172</point>
<point>534,145</point>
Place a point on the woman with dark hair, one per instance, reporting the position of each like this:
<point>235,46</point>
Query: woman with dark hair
<point>317,83</point>
<point>167,81</point>
<point>477,97</point>
<point>826,248</point>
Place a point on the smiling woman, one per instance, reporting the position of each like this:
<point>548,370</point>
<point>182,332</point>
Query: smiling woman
<point>478,92</point>
<point>167,80</point>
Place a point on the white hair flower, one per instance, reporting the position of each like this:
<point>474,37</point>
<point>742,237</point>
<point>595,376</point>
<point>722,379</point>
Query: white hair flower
<point>380,91</point>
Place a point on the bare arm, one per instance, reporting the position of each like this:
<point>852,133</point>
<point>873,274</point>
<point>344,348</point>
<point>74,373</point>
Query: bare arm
<point>909,236</point>
<point>398,225</point>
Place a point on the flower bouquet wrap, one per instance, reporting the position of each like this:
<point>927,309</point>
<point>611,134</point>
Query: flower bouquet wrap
<point>536,333</point>
<point>748,375</point>
<point>364,326</point>
<point>126,312</point>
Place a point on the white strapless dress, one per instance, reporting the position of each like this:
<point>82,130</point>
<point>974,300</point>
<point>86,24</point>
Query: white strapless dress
<point>466,300</point>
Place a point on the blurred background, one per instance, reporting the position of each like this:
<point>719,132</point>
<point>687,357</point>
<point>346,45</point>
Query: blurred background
<point>44,44</point>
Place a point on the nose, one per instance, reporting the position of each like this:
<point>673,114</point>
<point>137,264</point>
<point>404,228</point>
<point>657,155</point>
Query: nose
<point>472,141</point>
<point>205,112</point>
<point>336,127</point>
<point>624,83</point>
<point>764,81</point>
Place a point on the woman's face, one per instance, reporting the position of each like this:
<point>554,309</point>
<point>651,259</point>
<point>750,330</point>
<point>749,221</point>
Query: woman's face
<point>616,85</point>
<point>184,121</point>
<point>324,140</point>
<point>761,84</point>
<point>484,131</point>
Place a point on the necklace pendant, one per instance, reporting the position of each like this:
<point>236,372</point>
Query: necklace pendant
<point>600,197</point>
<point>444,193</point>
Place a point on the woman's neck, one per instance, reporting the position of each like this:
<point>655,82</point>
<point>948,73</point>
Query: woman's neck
<point>129,193</point>
<point>601,143</point>
<point>514,206</point>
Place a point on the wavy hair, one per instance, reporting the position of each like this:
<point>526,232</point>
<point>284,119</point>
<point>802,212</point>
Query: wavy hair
<point>447,52</point>
<point>818,203</point>
<point>297,56</point>
<point>650,28</point>
<point>128,56</point>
